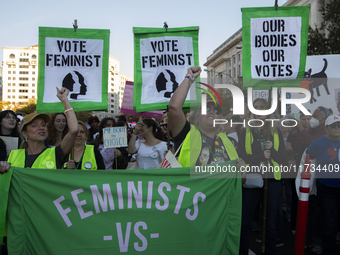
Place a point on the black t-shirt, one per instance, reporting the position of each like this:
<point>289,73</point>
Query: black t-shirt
<point>58,155</point>
<point>213,150</point>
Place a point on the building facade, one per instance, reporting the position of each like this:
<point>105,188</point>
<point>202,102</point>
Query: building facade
<point>1,83</point>
<point>20,75</point>
<point>224,65</point>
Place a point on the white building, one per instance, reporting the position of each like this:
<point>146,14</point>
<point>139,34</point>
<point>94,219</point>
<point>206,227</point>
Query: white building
<point>224,65</point>
<point>116,86</point>
<point>20,75</point>
<point>20,72</point>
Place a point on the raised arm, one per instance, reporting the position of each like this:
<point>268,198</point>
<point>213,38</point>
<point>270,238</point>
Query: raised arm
<point>72,123</point>
<point>176,115</point>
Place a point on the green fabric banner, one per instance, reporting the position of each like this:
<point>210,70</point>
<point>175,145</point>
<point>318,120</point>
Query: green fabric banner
<point>274,46</point>
<point>76,60</point>
<point>161,60</point>
<point>160,211</point>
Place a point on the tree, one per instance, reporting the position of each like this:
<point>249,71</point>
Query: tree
<point>327,39</point>
<point>28,107</point>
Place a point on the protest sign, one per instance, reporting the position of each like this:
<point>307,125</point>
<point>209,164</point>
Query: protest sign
<point>159,211</point>
<point>162,59</point>
<point>127,104</point>
<point>11,143</point>
<point>77,61</point>
<point>274,46</point>
<point>322,79</point>
<point>115,137</point>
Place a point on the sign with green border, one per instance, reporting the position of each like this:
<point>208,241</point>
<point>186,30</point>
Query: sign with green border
<point>162,58</point>
<point>77,60</point>
<point>274,46</point>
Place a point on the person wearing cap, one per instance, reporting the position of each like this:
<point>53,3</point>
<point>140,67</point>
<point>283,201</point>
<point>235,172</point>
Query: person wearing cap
<point>33,153</point>
<point>326,151</point>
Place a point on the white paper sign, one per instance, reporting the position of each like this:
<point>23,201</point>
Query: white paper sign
<point>164,63</point>
<point>75,64</point>
<point>115,137</point>
<point>275,47</point>
<point>11,143</point>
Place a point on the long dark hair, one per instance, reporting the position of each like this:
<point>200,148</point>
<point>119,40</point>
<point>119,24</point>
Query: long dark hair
<point>50,128</point>
<point>156,130</point>
<point>102,126</point>
<point>3,114</point>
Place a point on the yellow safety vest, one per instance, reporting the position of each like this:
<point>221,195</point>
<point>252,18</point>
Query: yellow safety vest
<point>89,159</point>
<point>191,148</point>
<point>250,140</point>
<point>46,160</point>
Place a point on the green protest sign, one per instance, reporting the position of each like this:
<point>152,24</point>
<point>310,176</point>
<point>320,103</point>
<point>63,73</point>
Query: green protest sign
<point>274,46</point>
<point>77,61</point>
<point>161,60</point>
<point>110,212</point>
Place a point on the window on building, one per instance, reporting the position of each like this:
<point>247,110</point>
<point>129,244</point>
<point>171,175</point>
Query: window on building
<point>13,79</point>
<point>9,90</point>
<point>13,84</point>
<point>23,60</point>
<point>34,56</point>
<point>112,106</point>
<point>9,72</point>
<point>33,67</point>
<point>234,60</point>
<point>239,70</point>
<point>23,85</point>
<point>23,97</point>
<point>33,90</point>
<point>238,57</point>
<point>23,72</point>
<point>33,96</point>
<point>23,90</point>
<point>33,72</point>
<point>8,96</point>
<point>23,66</point>
<point>13,66</point>
<point>12,55</point>
<point>112,111</point>
<point>23,78</point>
<point>9,66</point>
<point>33,79</point>
<point>33,84</point>
<point>9,78</point>
<point>13,90</point>
<point>234,72</point>
<point>13,97</point>
<point>112,101</point>
<point>14,72</point>
<point>9,84</point>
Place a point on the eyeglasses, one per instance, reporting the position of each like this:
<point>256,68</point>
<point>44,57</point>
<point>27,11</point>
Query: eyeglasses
<point>334,125</point>
<point>9,117</point>
<point>216,110</point>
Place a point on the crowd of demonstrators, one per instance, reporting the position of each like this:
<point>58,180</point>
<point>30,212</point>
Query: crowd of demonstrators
<point>33,152</point>
<point>85,157</point>
<point>57,129</point>
<point>261,146</point>
<point>150,151</point>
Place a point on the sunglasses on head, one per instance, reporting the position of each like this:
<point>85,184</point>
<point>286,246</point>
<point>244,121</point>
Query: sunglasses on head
<point>217,110</point>
<point>336,124</point>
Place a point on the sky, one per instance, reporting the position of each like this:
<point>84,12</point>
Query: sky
<point>217,20</point>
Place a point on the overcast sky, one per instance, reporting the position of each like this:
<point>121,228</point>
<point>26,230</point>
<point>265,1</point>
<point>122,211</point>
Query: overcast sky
<point>217,21</point>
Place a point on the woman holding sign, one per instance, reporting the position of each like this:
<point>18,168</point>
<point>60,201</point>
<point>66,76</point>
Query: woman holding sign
<point>150,151</point>
<point>85,157</point>
<point>110,154</point>
<point>34,153</point>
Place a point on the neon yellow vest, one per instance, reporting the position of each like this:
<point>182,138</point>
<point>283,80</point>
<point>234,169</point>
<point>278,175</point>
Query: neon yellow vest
<point>248,143</point>
<point>191,149</point>
<point>89,159</point>
<point>46,160</point>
